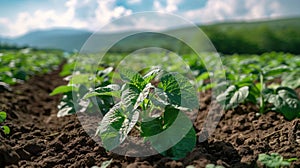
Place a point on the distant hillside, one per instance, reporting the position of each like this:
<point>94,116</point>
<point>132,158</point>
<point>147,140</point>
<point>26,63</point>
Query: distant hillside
<point>235,37</point>
<point>256,37</point>
<point>65,39</point>
<point>282,35</point>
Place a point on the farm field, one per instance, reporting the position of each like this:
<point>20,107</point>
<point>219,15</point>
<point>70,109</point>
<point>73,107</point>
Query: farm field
<point>260,101</point>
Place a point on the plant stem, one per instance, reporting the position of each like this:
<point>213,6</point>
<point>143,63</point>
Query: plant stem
<point>262,87</point>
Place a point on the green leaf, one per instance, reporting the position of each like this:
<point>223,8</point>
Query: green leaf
<point>276,71</point>
<point>2,116</point>
<point>151,75</point>
<point>169,116</point>
<point>185,145</point>
<point>152,126</point>
<point>61,89</point>
<point>105,71</point>
<point>143,95</point>
<point>115,126</point>
<point>239,96</point>
<point>81,79</point>
<point>109,90</point>
<point>203,76</point>
<point>274,160</point>
<point>179,90</point>
<point>159,98</point>
<point>129,95</point>
<point>292,159</point>
<point>65,108</point>
<point>132,77</point>
<point>233,96</point>
<point>178,135</point>
<point>292,79</point>
<point>5,129</point>
<point>67,104</point>
<point>285,100</point>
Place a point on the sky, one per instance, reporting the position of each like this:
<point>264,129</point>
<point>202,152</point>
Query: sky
<point>18,17</point>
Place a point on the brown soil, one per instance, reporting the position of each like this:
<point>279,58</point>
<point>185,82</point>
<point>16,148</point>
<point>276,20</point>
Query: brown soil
<point>39,139</point>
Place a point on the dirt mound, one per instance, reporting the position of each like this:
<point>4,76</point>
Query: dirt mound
<point>39,139</point>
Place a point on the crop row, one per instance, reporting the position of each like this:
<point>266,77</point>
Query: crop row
<point>18,65</point>
<point>150,94</point>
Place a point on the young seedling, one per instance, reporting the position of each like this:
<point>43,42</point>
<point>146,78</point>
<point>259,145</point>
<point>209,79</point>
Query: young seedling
<point>4,128</point>
<point>283,99</point>
<point>274,160</point>
<point>78,86</point>
<point>154,104</point>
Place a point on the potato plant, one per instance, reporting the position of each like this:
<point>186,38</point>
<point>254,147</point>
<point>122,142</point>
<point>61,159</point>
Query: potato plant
<point>152,104</point>
<point>19,65</point>
<point>248,83</point>
<point>78,86</point>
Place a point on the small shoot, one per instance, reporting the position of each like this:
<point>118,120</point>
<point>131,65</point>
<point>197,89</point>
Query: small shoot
<point>4,128</point>
<point>275,160</point>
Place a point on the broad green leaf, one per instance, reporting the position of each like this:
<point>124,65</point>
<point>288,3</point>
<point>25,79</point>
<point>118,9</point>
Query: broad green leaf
<point>246,80</point>
<point>233,96</point>
<point>5,129</point>
<point>105,71</point>
<point>185,145</point>
<point>276,71</point>
<point>132,77</point>
<point>207,87</point>
<point>81,79</point>
<point>226,96</point>
<point>203,76</point>
<point>285,100</point>
<point>93,94</point>
<point>115,126</point>
<point>151,75</point>
<point>61,89</point>
<point>159,98</point>
<point>65,108</point>
<point>109,87</point>
<point>143,95</point>
<point>179,90</point>
<point>286,92</point>
<point>2,116</point>
<point>67,104</point>
<point>151,127</point>
<point>129,95</point>
<point>292,79</point>
<point>170,115</point>
<point>239,96</point>
<point>109,90</point>
<point>178,135</point>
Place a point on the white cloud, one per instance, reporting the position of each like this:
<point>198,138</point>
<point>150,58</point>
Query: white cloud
<point>220,10</point>
<point>94,14</point>
<point>134,1</point>
<point>106,11</point>
<point>171,6</point>
<point>103,12</point>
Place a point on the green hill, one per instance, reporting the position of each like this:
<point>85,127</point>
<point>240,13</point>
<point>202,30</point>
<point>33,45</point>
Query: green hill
<point>282,35</point>
<point>256,37</point>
